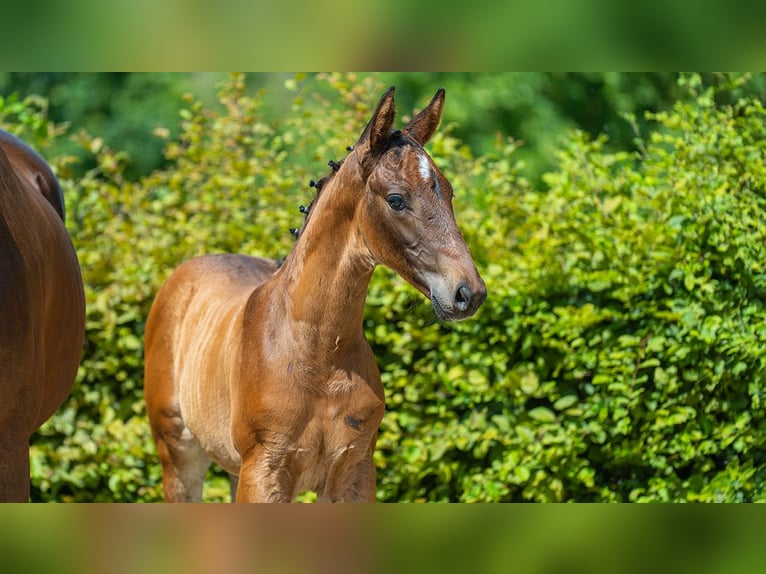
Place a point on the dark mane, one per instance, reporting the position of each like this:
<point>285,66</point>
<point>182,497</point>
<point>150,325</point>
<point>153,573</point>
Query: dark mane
<point>319,185</point>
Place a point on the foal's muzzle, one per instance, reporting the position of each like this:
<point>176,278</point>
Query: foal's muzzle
<point>466,300</point>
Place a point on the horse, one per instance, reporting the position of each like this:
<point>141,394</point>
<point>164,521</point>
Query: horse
<point>42,307</point>
<point>264,368</point>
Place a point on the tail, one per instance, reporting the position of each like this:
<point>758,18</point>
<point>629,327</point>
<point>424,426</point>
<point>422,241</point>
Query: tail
<point>31,166</point>
<point>51,189</point>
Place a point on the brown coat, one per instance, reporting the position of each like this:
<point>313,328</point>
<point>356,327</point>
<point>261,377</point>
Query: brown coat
<point>42,308</point>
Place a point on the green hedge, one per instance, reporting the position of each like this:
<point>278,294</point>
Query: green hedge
<point>620,354</point>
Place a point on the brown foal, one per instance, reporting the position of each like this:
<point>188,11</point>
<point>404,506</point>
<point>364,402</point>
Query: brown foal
<point>42,307</point>
<point>265,369</point>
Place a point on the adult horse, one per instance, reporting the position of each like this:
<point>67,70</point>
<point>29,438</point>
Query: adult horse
<point>265,369</point>
<point>42,307</point>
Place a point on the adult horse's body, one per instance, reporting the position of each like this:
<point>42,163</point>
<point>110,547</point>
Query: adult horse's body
<point>42,307</point>
<point>265,369</point>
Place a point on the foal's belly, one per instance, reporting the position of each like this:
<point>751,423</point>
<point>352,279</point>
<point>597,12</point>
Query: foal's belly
<point>205,408</point>
<point>206,411</point>
<point>206,370</point>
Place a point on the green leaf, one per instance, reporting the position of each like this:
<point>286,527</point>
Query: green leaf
<point>529,383</point>
<point>565,402</point>
<point>542,414</point>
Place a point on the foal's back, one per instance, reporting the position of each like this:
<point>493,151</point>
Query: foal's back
<point>193,334</point>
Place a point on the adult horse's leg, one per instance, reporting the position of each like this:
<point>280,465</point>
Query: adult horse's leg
<point>19,398</point>
<point>14,468</point>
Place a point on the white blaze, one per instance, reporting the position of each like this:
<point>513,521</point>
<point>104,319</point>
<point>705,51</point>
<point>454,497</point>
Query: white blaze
<point>425,168</point>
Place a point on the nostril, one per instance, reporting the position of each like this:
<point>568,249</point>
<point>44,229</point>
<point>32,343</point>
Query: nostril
<point>463,297</point>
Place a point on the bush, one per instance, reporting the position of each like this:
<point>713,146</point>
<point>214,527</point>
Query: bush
<point>619,356</point>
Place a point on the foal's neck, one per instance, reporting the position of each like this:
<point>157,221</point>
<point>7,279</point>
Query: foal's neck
<point>327,274</point>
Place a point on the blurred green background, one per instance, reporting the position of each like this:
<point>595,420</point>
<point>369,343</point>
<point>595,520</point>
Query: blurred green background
<point>536,108</point>
<point>616,218</point>
<point>341,34</point>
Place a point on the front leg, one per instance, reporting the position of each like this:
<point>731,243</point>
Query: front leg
<point>352,477</point>
<point>359,485</point>
<point>265,477</point>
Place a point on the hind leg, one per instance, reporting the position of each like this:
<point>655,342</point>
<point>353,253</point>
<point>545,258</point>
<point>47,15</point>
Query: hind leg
<point>184,462</point>
<point>14,469</point>
<point>19,399</point>
<point>233,485</point>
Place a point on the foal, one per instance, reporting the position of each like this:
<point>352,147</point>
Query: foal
<point>42,307</point>
<point>265,369</point>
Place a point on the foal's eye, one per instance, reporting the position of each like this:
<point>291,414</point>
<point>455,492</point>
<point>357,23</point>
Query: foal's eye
<point>396,202</point>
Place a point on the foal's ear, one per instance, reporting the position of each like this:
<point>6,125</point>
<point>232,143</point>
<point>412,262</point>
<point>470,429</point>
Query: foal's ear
<point>423,125</point>
<point>379,127</point>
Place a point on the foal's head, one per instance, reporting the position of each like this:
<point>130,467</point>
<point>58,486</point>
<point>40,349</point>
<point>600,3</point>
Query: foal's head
<point>406,218</point>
